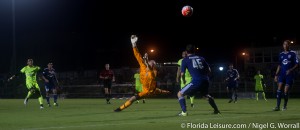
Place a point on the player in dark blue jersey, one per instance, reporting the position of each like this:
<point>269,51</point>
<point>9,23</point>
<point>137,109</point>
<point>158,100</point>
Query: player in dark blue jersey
<point>199,70</point>
<point>49,76</point>
<point>232,83</point>
<point>285,73</point>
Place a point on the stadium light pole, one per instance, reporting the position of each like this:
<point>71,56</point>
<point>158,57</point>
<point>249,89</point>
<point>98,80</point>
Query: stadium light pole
<point>14,55</point>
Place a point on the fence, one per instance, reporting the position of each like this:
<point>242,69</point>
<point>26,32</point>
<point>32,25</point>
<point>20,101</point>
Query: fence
<point>84,84</point>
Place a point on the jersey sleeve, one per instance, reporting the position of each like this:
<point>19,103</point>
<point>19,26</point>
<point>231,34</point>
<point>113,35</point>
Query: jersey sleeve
<point>296,60</point>
<point>183,66</point>
<point>179,62</point>
<point>23,70</point>
<point>138,56</point>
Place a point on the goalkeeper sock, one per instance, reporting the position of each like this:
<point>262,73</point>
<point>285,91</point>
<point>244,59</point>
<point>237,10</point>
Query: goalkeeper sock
<point>126,104</point>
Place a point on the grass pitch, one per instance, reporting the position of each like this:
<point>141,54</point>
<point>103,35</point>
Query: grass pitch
<point>95,114</point>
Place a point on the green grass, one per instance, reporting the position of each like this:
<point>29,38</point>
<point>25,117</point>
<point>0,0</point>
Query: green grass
<point>156,114</point>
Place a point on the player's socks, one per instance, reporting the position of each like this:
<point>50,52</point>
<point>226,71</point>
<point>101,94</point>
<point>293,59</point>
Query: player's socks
<point>55,98</point>
<point>235,97</point>
<point>48,99</point>
<point>29,94</point>
<point>192,100</point>
<point>230,96</point>
<point>212,103</point>
<point>40,99</point>
<point>286,99</point>
<point>256,96</point>
<point>25,101</point>
<point>264,96</point>
<point>182,104</point>
<point>125,105</point>
<point>278,98</point>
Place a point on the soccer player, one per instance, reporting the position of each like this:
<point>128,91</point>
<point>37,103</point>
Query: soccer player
<point>199,70</point>
<point>138,85</point>
<point>49,76</point>
<point>285,73</point>
<point>259,83</point>
<point>148,74</point>
<point>108,77</point>
<point>188,77</point>
<point>232,83</point>
<point>30,72</point>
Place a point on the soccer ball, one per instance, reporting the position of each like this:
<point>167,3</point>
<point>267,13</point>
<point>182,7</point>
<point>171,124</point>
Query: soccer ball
<point>187,11</point>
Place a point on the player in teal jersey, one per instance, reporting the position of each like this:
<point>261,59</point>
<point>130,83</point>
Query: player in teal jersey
<point>259,83</point>
<point>188,77</point>
<point>138,85</point>
<point>30,72</point>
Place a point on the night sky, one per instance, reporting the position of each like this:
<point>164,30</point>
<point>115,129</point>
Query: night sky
<point>86,34</point>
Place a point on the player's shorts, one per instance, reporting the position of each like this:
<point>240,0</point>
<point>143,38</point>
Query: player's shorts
<point>107,84</point>
<point>49,87</point>
<point>32,85</point>
<point>259,89</point>
<point>192,88</point>
<point>188,80</point>
<point>232,85</point>
<point>286,79</point>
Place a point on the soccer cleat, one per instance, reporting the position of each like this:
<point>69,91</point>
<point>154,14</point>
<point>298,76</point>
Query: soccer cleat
<point>230,101</point>
<point>182,114</point>
<point>235,101</point>
<point>192,105</point>
<point>117,110</point>
<point>276,109</point>
<point>144,101</point>
<point>55,104</point>
<point>49,105</point>
<point>284,108</point>
<point>137,101</point>
<point>25,101</point>
<point>41,106</point>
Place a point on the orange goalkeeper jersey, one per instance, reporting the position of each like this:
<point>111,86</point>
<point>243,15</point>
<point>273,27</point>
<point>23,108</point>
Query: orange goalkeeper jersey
<point>147,76</point>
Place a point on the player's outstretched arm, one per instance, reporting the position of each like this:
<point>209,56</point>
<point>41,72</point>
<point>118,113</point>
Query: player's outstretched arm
<point>12,77</point>
<point>133,39</point>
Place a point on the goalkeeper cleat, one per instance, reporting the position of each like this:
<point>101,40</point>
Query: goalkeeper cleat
<point>182,114</point>
<point>117,110</point>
